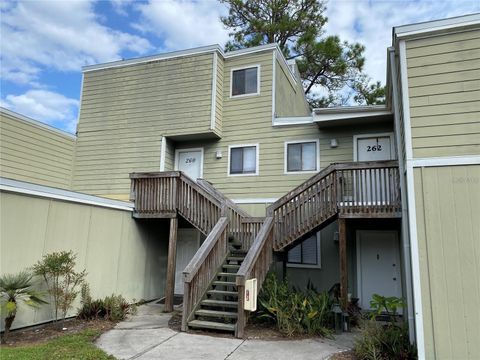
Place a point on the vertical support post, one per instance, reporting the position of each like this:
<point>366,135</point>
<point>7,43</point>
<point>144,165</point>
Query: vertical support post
<point>241,321</point>
<point>172,253</point>
<point>342,232</point>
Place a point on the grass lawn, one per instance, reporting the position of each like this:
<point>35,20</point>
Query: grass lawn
<point>73,346</point>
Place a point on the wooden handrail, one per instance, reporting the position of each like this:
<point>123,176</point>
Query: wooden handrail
<point>324,172</point>
<point>201,270</point>
<point>154,174</point>
<point>207,186</point>
<point>255,265</point>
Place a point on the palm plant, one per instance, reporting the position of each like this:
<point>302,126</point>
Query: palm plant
<point>16,288</point>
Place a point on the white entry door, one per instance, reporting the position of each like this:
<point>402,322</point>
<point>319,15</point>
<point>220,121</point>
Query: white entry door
<point>378,265</point>
<point>376,147</point>
<point>188,242</point>
<point>190,161</point>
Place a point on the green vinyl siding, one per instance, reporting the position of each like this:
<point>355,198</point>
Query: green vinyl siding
<point>289,94</point>
<point>169,155</point>
<point>34,153</point>
<point>444,88</point>
<point>125,111</point>
<point>447,206</point>
<point>120,255</point>
<point>272,182</point>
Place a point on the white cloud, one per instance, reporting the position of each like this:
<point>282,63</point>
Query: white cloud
<point>371,23</point>
<point>183,24</point>
<point>46,106</point>
<point>58,35</point>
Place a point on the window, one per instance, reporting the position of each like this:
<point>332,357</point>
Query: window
<point>301,156</point>
<point>245,81</point>
<point>306,253</point>
<point>243,160</point>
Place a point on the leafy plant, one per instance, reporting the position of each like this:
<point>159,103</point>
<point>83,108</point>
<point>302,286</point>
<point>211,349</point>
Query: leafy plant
<point>385,341</point>
<point>389,305</point>
<point>16,288</point>
<point>58,271</point>
<point>113,307</point>
<point>292,311</point>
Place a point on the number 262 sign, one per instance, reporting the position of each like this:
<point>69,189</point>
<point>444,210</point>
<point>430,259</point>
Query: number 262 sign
<point>377,147</point>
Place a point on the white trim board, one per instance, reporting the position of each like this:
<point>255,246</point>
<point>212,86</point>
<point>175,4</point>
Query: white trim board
<point>163,149</point>
<point>255,200</point>
<point>257,159</point>
<point>177,151</point>
<point>299,120</point>
<point>274,80</point>
<point>412,212</point>
<point>214,91</point>
<point>257,93</point>
<point>26,188</point>
<point>446,161</point>
<point>317,157</point>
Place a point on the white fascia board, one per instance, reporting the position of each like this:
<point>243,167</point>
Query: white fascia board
<point>254,200</point>
<point>21,187</point>
<point>299,120</point>
<point>165,56</point>
<point>436,25</point>
<point>36,123</point>
<point>349,113</point>
<point>446,161</point>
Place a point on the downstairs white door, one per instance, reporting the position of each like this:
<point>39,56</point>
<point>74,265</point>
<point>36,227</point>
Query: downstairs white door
<point>378,265</point>
<point>188,243</point>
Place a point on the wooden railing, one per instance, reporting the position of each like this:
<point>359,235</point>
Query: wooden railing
<point>359,189</point>
<point>154,193</point>
<point>201,270</point>
<point>369,190</point>
<point>196,205</point>
<point>256,265</point>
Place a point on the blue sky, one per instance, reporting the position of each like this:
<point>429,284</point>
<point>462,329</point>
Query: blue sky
<point>44,44</point>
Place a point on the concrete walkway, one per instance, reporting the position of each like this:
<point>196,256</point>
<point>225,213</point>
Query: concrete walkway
<point>147,336</point>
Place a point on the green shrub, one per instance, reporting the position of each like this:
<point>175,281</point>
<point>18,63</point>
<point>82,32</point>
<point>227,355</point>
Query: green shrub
<point>58,271</point>
<point>388,340</point>
<point>113,307</point>
<point>384,342</point>
<point>292,311</point>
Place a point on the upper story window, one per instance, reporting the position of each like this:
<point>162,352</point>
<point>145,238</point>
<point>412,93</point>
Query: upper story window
<point>245,81</point>
<point>306,254</point>
<point>301,156</point>
<point>243,160</point>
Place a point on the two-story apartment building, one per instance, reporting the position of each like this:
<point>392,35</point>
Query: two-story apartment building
<point>377,199</point>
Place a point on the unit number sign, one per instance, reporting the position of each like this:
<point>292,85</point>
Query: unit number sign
<point>377,147</point>
<point>190,160</point>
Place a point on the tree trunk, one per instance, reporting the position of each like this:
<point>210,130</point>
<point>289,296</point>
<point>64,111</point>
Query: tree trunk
<point>8,325</point>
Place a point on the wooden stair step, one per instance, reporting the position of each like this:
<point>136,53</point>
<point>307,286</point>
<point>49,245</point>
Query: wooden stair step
<point>224,283</point>
<point>226,274</point>
<point>235,258</point>
<point>223,303</point>
<point>222,292</point>
<point>231,266</point>
<point>201,324</point>
<point>214,313</point>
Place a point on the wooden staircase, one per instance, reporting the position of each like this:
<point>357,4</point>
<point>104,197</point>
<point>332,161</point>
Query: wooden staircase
<point>218,309</point>
<point>214,279</point>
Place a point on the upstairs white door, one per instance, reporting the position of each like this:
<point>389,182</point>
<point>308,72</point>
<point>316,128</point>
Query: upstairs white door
<point>190,161</point>
<point>376,147</point>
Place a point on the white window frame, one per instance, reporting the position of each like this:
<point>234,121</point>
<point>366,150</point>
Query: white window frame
<point>364,136</point>
<point>285,157</point>
<point>257,158</point>
<point>309,266</point>
<point>243,68</point>
<point>177,151</point>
